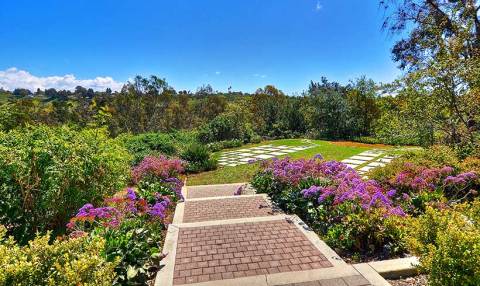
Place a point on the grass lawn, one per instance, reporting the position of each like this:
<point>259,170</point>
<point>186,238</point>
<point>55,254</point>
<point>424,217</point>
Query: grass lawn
<point>243,173</point>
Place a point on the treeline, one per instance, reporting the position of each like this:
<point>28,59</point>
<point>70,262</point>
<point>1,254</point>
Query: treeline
<point>402,113</point>
<point>326,110</point>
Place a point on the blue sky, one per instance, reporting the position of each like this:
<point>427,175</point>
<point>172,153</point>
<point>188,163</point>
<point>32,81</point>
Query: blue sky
<point>245,44</point>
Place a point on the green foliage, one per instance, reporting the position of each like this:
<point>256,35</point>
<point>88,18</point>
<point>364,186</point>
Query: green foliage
<point>138,244</point>
<point>49,172</point>
<point>434,157</point>
<point>362,231</point>
<point>448,244</point>
<point>217,146</point>
<point>199,158</point>
<point>75,261</point>
<point>149,144</point>
<point>224,127</point>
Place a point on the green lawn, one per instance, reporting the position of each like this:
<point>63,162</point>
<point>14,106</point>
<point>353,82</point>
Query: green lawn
<point>243,173</point>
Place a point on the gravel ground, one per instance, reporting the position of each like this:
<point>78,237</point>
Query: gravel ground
<point>420,280</point>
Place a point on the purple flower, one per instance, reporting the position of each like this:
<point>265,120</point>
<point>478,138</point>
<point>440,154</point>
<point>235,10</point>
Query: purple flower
<point>158,210</point>
<point>311,192</point>
<point>391,193</point>
<point>318,157</point>
<point>131,194</point>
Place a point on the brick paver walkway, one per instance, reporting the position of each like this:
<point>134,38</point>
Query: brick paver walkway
<point>212,191</point>
<point>242,241</point>
<point>214,209</point>
<point>245,249</point>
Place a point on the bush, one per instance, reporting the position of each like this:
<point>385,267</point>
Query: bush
<point>75,261</point>
<point>155,169</point>
<point>420,178</point>
<point>198,158</point>
<point>448,244</point>
<point>217,146</point>
<point>149,144</point>
<point>225,127</point>
<point>49,172</point>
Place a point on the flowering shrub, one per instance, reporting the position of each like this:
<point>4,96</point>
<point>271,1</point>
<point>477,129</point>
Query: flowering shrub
<point>74,261</point>
<point>157,168</point>
<point>419,186</point>
<point>353,215</point>
<point>133,230</point>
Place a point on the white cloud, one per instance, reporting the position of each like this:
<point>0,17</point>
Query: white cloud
<point>260,75</point>
<point>217,72</point>
<point>318,7</point>
<point>14,78</point>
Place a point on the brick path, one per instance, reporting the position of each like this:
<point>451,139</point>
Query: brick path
<point>220,239</point>
<point>214,209</point>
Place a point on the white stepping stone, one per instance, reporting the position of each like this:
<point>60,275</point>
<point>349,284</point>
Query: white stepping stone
<point>368,155</point>
<point>283,147</point>
<point>264,156</point>
<point>278,153</point>
<point>375,164</point>
<point>288,151</point>
<point>385,160</point>
<point>245,154</point>
<point>361,158</point>
<point>389,157</point>
<point>366,169</point>
<point>353,166</point>
<point>258,151</point>
<point>247,159</point>
<point>351,161</point>
<point>298,148</point>
<point>232,165</point>
<point>222,163</point>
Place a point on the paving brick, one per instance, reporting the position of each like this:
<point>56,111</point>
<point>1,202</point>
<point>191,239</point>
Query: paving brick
<point>212,191</point>
<point>227,208</point>
<point>333,282</point>
<point>356,280</point>
<point>242,262</point>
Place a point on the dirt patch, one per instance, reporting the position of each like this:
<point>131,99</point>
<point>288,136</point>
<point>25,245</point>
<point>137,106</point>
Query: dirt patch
<point>358,144</point>
<point>420,280</point>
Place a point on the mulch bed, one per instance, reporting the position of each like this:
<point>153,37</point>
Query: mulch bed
<point>357,144</point>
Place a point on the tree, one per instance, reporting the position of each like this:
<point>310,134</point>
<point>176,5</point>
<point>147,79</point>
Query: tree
<point>362,105</point>
<point>441,52</point>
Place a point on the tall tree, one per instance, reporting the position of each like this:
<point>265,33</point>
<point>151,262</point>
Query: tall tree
<point>441,52</point>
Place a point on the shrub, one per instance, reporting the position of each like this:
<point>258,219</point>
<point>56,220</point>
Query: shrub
<point>224,127</point>
<point>149,144</point>
<point>75,261</point>
<point>49,172</point>
<point>157,168</point>
<point>471,164</point>
<point>198,158</point>
<point>448,244</point>
<point>418,186</point>
<point>217,146</point>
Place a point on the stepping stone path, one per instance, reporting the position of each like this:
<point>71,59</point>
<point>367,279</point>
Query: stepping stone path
<point>263,152</point>
<point>368,160</point>
<point>218,238</point>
